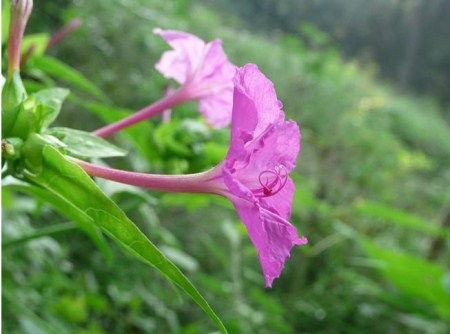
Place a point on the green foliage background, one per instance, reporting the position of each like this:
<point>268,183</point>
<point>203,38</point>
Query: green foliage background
<point>372,196</point>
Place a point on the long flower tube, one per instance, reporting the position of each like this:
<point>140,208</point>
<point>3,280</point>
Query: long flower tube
<point>205,74</point>
<point>169,101</point>
<point>254,175</point>
<point>205,182</point>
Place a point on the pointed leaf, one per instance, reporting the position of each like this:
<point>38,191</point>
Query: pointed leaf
<point>416,277</point>
<point>399,217</point>
<point>68,210</point>
<point>13,94</point>
<point>40,233</point>
<point>139,134</point>
<point>69,182</point>
<point>85,144</point>
<point>37,41</point>
<point>63,72</point>
<point>49,102</point>
<point>6,16</point>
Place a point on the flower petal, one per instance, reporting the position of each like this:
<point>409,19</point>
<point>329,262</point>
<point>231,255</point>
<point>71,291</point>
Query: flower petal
<point>215,68</point>
<point>273,152</point>
<point>181,62</point>
<point>262,152</point>
<point>243,123</point>
<point>281,203</point>
<point>255,109</point>
<point>272,236</point>
<point>279,145</point>
<point>216,108</point>
<point>251,82</point>
<point>203,70</point>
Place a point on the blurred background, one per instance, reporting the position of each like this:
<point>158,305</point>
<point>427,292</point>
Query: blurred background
<point>367,81</point>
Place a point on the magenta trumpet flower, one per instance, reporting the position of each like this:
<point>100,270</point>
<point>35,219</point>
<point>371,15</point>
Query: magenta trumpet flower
<point>262,153</point>
<point>254,175</point>
<point>205,74</point>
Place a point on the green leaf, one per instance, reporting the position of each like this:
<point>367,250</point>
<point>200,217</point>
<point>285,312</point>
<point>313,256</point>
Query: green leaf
<point>416,277</point>
<point>181,258</point>
<point>6,14</point>
<point>190,202</point>
<point>31,150</point>
<point>71,184</point>
<point>399,217</point>
<point>49,102</point>
<point>37,41</point>
<point>43,232</point>
<point>63,72</point>
<point>215,152</point>
<point>139,133</point>
<point>68,210</point>
<point>165,139</point>
<point>85,144</point>
<point>16,122</point>
<point>13,94</point>
<point>33,86</point>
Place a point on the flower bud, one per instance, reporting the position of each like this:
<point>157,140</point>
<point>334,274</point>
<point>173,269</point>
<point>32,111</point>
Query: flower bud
<point>11,148</point>
<point>63,32</point>
<point>20,12</point>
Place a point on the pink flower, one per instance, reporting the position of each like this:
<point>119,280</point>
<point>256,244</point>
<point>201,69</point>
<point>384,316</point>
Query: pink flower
<point>204,72</point>
<point>263,151</point>
<point>253,176</point>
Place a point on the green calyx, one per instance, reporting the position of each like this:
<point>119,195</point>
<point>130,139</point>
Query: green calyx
<point>13,96</point>
<point>32,148</point>
<point>23,114</point>
<point>25,129</point>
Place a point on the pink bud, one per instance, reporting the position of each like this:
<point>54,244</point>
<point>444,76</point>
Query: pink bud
<point>20,12</point>
<point>63,32</point>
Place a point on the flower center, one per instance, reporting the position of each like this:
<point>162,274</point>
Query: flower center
<point>271,181</point>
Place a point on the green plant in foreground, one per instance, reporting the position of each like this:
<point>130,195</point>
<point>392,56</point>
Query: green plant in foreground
<point>254,176</point>
<point>33,159</point>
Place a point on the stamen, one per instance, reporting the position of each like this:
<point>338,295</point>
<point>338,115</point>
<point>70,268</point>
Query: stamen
<point>271,181</point>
